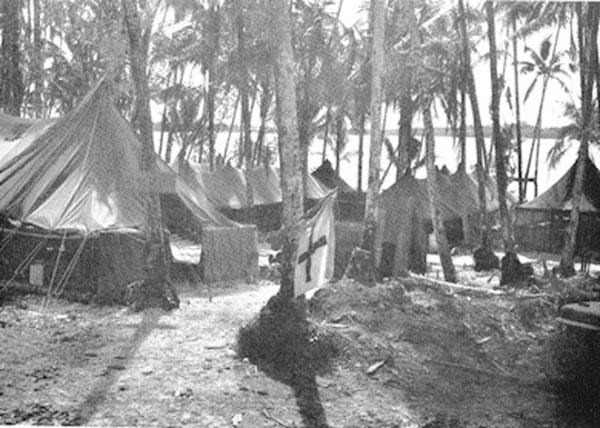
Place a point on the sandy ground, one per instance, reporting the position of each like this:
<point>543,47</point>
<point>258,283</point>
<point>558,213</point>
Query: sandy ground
<point>445,360</point>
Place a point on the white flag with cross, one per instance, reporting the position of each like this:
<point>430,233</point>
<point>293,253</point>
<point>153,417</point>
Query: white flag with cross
<point>316,248</point>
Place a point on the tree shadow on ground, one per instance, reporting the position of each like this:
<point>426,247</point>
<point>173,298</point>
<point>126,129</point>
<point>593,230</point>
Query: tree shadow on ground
<point>283,344</point>
<point>97,396</point>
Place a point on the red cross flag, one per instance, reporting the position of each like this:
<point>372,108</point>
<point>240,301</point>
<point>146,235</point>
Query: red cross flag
<point>316,248</point>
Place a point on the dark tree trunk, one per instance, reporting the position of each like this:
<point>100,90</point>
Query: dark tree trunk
<point>499,142</point>
<point>11,79</point>
<point>37,66</point>
<point>214,36</point>
<point>157,290</point>
<point>517,101</point>
<point>361,149</point>
<point>326,133</point>
<point>478,127</point>
<point>585,28</point>
<point>462,130</point>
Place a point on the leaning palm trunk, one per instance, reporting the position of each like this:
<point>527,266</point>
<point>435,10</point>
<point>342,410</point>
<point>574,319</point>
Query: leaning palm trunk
<point>587,85</point>
<point>499,141</point>
<point>478,128</point>
<point>433,193</point>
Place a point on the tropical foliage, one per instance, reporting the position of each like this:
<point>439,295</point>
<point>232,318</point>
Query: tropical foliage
<point>210,67</point>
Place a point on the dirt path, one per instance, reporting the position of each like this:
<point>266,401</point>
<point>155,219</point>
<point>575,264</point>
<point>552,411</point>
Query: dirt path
<point>107,366</point>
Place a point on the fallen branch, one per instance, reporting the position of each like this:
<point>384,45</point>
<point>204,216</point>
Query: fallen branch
<point>503,374</point>
<point>455,288</point>
<point>273,418</point>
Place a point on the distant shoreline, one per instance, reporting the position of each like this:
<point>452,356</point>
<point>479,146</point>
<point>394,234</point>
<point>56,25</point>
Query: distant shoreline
<point>526,131</point>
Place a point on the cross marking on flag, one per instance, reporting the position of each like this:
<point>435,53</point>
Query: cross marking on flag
<point>315,257</point>
<point>307,255</point>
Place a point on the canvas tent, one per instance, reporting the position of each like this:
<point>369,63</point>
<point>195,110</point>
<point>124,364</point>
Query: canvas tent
<point>541,223</point>
<point>227,188</point>
<point>350,204</point>
<point>17,133</point>
<point>407,224</point>
<point>71,201</point>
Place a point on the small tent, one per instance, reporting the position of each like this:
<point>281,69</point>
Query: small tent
<point>541,223</point>
<point>71,202</point>
<point>227,188</point>
<point>350,204</point>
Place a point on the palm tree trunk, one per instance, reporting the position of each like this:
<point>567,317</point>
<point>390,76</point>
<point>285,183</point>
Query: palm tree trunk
<point>537,131</point>
<point>361,148</point>
<point>462,130</point>
<point>371,206</point>
<point>37,66</point>
<point>292,183</point>
<point>499,141</point>
<point>326,134</point>
<point>11,79</point>
<point>265,105</point>
<point>157,290</point>
<point>433,193</point>
<point>585,31</point>
<point>517,102</point>
<point>211,83</point>
<point>230,133</point>
<point>478,128</point>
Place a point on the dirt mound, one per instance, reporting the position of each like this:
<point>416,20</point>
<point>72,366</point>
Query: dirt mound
<point>455,356</point>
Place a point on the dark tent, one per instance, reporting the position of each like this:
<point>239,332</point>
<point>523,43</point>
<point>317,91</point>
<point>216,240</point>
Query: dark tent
<point>541,223</point>
<point>465,190</point>
<point>71,202</point>
<point>350,204</point>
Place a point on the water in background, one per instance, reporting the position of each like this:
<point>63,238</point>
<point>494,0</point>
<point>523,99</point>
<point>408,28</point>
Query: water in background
<point>445,156</point>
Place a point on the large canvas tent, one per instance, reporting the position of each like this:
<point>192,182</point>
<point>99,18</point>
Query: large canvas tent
<point>541,223</point>
<point>226,187</point>
<point>71,201</point>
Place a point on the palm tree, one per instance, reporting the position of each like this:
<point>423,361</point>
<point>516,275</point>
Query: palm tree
<point>430,79</point>
<point>157,290</point>
<point>478,128</point>
<point>516,11</point>
<point>547,65</point>
<point>292,183</point>
<point>498,138</point>
<point>371,207</point>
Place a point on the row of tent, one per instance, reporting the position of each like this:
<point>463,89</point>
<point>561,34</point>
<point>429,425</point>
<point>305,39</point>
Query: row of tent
<point>70,199</point>
<point>228,188</point>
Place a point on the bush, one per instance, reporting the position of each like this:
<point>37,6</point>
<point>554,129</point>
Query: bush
<point>282,342</point>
